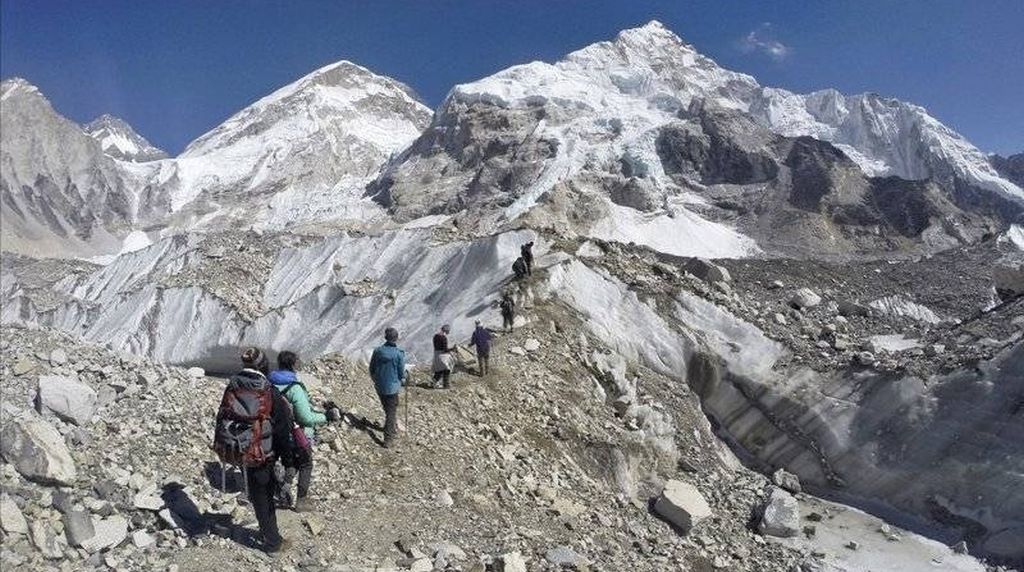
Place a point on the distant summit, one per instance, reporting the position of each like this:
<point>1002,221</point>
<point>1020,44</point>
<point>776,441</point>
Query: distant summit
<point>120,141</point>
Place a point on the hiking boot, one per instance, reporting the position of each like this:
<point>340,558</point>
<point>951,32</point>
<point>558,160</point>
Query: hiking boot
<point>283,546</point>
<point>388,442</point>
<point>303,504</point>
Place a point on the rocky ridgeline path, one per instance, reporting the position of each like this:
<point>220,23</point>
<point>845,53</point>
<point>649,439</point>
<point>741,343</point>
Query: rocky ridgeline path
<point>531,468</point>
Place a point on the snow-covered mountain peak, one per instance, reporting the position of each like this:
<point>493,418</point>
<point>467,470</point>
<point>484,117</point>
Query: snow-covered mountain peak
<point>349,97</point>
<point>121,141</point>
<point>16,86</point>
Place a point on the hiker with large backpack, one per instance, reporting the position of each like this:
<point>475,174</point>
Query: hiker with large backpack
<point>508,311</point>
<point>306,420</point>
<point>387,369</point>
<point>526,252</point>
<point>253,431</point>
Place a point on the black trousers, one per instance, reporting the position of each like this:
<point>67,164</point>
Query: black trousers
<point>262,487</point>
<point>507,320</point>
<point>483,360</point>
<point>305,478</point>
<point>390,404</point>
<point>444,377</point>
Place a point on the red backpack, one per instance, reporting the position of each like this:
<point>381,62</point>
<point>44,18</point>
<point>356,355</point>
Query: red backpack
<point>243,435</point>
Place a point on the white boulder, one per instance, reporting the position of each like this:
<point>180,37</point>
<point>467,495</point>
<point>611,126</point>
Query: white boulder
<point>68,398</point>
<point>11,519</point>
<point>780,515</point>
<point>110,532</point>
<point>804,298</point>
<point>682,504</point>
<point>37,451</point>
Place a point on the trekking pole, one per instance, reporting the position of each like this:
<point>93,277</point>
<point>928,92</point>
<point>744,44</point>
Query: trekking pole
<point>406,391</point>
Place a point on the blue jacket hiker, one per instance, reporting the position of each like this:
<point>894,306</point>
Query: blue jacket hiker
<point>387,369</point>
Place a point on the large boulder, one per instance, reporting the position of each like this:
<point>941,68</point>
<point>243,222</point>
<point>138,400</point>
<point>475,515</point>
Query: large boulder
<point>682,504</point>
<point>1008,277</point>
<point>11,519</point>
<point>37,451</point>
<point>78,527</point>
<point>68,398</point>
<point>804,298</point>
<point>109,532</point>
<point>780,515</point>
<point>512,562</point>
<point>45,540</point>
<point>706,270</point>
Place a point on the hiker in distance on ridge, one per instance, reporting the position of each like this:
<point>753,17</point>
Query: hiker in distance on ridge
<point>508,311</point>
<point>253,431</point>
<point>387,369</point>
<point>444,361</point>
<point>482,340</point>
<point>520,268</point>
<point>526,253</point>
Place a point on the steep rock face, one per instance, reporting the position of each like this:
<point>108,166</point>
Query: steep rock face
<point>60,193</point>
<point>630,139</point>
<point>1011,168</point>
<point>300,154</point>
<point>885,136</point>
<point>120,141</point>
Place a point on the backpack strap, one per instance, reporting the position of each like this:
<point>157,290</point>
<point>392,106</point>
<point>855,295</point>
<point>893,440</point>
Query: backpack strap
<point>288,388</point>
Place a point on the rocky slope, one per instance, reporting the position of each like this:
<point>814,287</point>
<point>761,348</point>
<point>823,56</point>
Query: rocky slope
<point>120,141</point>
<point>520,481</point>
<point>867,368</point>
<point>1010,168</point>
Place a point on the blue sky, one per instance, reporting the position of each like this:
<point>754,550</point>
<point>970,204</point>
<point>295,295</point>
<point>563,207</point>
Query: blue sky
<point>176,69</point>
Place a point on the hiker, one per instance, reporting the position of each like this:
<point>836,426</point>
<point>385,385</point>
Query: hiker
<point>520,268</point>
<point>387,369</point>
<point>482,340</point>
<point>526,252</point>
<point>306,420</point>
<point>253,431</point>
<point>508,309</point>
<point>444,361</point>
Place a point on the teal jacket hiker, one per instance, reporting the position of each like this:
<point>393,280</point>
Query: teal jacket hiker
<point>292,389</point>
<point>387,368</point>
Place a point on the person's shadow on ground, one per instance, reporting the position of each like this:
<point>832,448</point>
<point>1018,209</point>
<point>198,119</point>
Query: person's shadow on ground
<point>186,514</point>
<point>366,426</point>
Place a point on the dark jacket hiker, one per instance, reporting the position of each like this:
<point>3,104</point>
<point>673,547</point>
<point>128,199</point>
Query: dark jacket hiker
<point>520,268</point>
<point>482,340</point>
<point>508,311</point>
<point>253,431</point>
<point>526,252</point>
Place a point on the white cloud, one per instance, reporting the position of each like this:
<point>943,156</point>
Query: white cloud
<point>762,40</point>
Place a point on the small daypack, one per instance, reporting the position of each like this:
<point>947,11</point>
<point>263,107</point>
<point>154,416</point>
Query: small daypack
<point>243,435</point>
<point>300,442</point>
